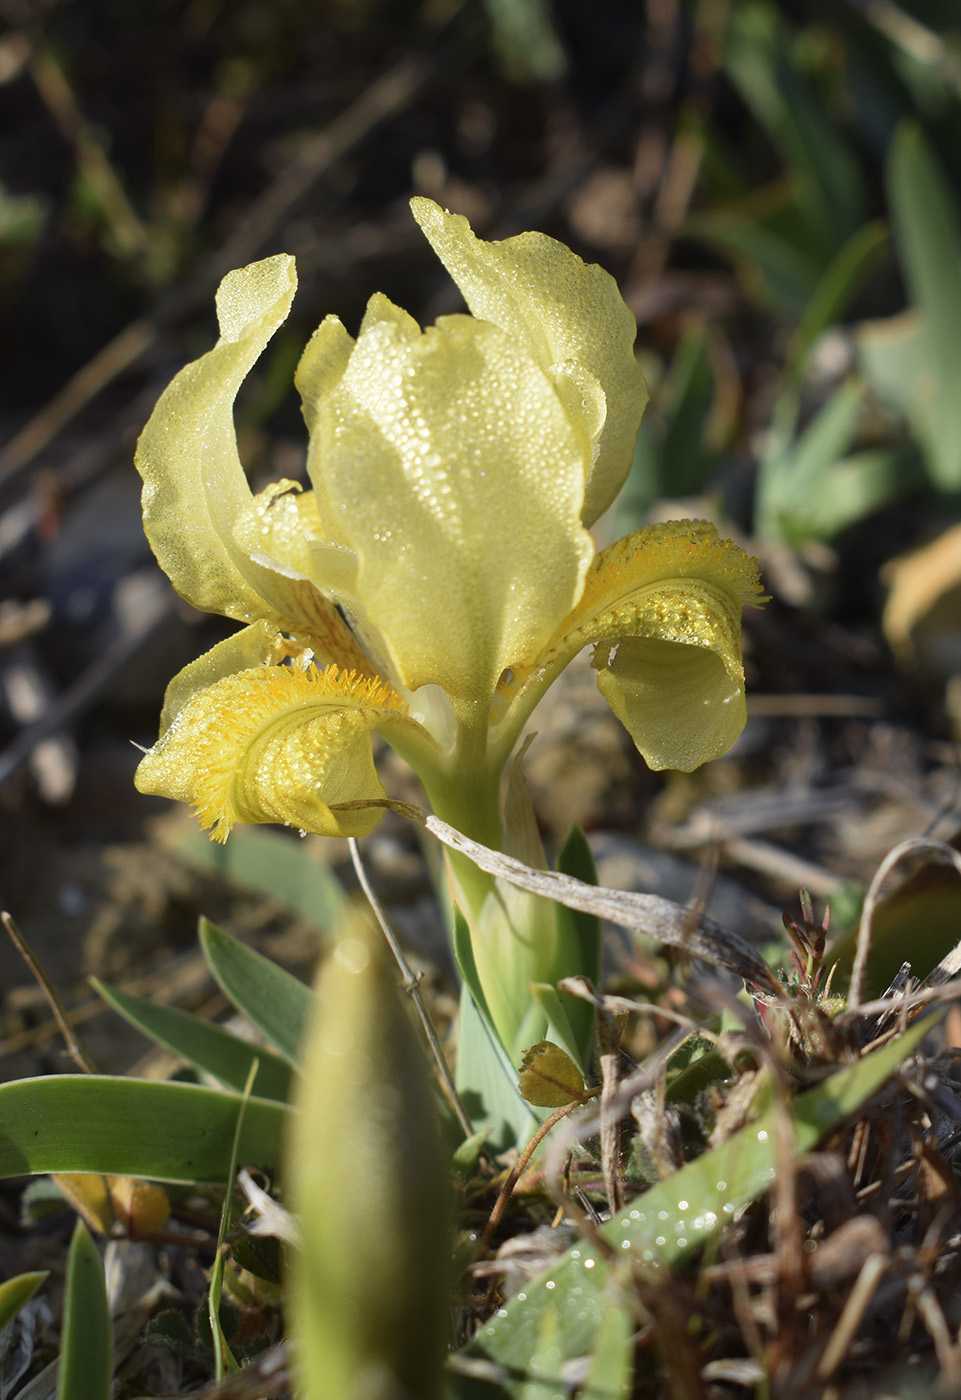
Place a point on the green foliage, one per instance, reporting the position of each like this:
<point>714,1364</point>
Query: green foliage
<point>581,936</point>
<point>524,40</point>
<point>677,447</point>
<point>86,1352</point>
<point>131,1127</point>
<point>784,238</point>
<point>486,1076</point>
<point>912,360</point>
<point>209,1048</point>
<point>272,1000</point>
<point>16,1291</point>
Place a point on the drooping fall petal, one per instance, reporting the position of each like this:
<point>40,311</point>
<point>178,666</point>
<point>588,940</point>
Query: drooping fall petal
<point>453,473</point>
<point>568,315</point>
<point>273,744</point>
<point>663,610</point>
<point>195,491</point>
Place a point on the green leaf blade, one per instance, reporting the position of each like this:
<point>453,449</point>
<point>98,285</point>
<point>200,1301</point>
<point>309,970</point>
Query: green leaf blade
<point>581,935</point>
<point>928,238</point>
<point>15,1292</point>
<point>276,1003</point>
<point>209,1048</point>
<point>86,1355</point>
<point>131,1127</point>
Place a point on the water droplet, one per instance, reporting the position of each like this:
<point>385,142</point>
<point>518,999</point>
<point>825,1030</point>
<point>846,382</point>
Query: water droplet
<point>762,1136</point>
<point>721,1185</point>
<point>550,1283</point>
<point>662,1215</point>
<point>682,1205</point>
<point>625,1244</point>
<point>575,1254</point>
<point>681,1243</point>
<point>589,1263</point>
<point>660,1241</point>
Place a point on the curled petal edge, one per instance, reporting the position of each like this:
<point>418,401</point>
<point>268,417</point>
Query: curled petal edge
<point>662,609</point>
<point>275,743</point>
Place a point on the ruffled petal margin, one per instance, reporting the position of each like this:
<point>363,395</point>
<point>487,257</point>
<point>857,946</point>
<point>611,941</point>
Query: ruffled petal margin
<point>272,743</point>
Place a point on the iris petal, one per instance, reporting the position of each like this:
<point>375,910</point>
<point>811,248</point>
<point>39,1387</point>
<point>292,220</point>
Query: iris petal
<point>568,315</point>
<point>453,473</point>
<point>662,608</point>
<point>274,744</point>
<point>195,491</point>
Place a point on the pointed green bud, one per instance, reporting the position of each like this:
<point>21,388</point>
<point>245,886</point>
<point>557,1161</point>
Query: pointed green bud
<point>369,1290</point>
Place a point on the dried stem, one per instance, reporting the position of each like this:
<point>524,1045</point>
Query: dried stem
<point>74,1048</point>
<point>514,1175</point>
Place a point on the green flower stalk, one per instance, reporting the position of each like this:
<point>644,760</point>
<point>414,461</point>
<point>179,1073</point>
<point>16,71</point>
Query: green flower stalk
<point>439,573</point>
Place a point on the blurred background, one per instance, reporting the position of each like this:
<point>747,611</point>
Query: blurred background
<point>775,187</point>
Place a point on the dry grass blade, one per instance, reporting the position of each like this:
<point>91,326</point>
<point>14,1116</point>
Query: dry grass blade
<point>75,1049</point>
<point>658,918</point>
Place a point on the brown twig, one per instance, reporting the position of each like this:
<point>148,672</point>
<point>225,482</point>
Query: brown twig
<point>610,1136</point>
<point>74,1048</point>
<point>514,1175</point>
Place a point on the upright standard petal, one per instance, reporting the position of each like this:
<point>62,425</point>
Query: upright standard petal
<point>195,492</point>
<point>663,610</point>
<point>273,744</point>
<point>194,484</point>
<point>453,473</point>
<point>570,316</point>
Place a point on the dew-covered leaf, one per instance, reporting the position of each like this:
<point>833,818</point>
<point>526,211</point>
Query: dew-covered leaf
<point>668,1224</point>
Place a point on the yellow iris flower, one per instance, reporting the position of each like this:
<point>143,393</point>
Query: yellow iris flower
<point>439,573</point>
